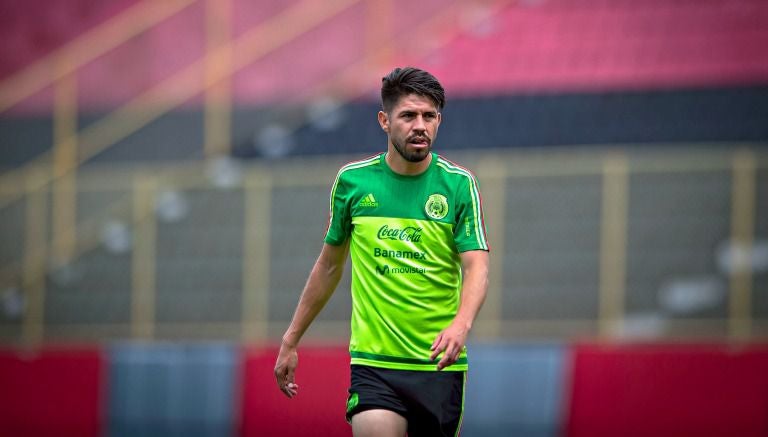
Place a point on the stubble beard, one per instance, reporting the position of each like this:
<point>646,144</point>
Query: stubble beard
<point>413,155</point>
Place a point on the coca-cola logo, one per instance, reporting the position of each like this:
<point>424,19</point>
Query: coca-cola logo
<point>409,233</point>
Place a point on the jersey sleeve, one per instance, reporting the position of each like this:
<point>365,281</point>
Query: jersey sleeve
<point>339,221</point>
<point>469,233</point>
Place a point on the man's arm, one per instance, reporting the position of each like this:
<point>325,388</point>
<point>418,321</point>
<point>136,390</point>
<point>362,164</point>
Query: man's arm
<point>321,284</point>
<point>451,340</point>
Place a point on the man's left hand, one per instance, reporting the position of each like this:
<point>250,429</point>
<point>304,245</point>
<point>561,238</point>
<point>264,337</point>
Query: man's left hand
<point>450,342</point>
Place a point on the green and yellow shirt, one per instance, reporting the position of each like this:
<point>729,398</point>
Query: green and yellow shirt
<point>406,233</point>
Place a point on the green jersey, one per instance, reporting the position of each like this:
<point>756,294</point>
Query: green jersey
<point>406,233</point>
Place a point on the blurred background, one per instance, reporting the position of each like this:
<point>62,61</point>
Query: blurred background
<point>164,174</point>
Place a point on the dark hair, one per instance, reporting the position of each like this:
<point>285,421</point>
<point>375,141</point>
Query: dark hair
<point>409,80</point>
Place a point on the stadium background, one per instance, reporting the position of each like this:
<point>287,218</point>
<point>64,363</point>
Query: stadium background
<point>164,172</point>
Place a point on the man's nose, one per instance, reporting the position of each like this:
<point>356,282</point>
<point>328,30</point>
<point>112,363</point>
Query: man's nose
<point>419,125</point>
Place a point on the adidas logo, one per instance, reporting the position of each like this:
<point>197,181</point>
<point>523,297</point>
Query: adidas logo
<point>368,201</point>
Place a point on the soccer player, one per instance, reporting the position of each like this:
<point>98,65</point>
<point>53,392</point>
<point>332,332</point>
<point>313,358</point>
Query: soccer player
<point>413,224</point>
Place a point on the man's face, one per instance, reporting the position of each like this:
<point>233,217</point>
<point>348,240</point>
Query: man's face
<point>412,126</point>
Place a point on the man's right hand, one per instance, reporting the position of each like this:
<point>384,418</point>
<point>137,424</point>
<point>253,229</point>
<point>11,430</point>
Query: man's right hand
<point>287,360</point>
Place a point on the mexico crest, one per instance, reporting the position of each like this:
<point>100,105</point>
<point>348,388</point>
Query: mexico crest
<point>436,206</point>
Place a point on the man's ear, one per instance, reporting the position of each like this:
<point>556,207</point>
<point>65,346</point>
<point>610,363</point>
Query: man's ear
<point>384,121</point>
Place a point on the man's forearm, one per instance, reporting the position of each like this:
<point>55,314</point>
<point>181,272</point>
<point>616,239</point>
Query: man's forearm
<point>323,279</point>
<point>450,341</point>
<point>322,282</point>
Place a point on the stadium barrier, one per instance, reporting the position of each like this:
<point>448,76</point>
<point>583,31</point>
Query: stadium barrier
<point>172,389</point>
<point>53,391</point>
<point>669,390</point>
<point>582,389</point>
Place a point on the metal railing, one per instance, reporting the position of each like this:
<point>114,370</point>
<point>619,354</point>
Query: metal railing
<point>500,172</point>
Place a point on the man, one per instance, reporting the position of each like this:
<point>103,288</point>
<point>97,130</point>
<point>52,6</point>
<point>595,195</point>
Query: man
<point>413,224</point>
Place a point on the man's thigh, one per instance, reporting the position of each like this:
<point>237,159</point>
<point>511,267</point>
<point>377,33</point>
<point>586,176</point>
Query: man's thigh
<point>378,423</point>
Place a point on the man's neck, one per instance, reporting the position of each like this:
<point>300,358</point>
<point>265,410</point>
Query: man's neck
<point>400,165</point>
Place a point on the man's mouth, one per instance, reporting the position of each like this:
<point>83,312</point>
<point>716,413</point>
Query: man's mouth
<point>419,141</point>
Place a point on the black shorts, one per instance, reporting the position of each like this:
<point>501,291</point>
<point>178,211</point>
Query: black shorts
<point>432,402</point>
